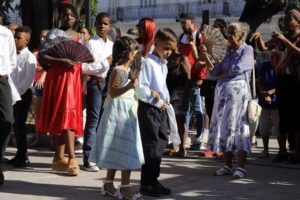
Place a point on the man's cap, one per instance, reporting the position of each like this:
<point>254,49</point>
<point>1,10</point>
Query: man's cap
<point>185,16</point>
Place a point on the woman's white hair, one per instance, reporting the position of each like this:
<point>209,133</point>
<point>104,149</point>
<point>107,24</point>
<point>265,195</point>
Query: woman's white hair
<point>242,28</point>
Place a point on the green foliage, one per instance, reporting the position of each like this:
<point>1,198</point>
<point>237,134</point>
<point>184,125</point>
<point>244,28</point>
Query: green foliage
<point>94,14</point>
<point>94,7</point>
<point>281,24</point>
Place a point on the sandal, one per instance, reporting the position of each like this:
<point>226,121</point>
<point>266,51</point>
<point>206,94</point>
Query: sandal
<point>73,168</point>
<point>223,171</point>
<point>136,196</point>
<point>105,192</point>
<point>239,173</point>
<point>60,165</point>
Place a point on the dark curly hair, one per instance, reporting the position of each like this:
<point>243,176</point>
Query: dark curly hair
<point>121,50</point>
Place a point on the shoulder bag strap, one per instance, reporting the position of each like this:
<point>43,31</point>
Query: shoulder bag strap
<point>253,83</point>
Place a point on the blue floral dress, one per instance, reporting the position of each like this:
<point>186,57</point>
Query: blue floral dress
<point>229,128</point>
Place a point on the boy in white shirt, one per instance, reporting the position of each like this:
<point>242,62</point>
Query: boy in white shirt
<point>153,119</point>
<point>22,78</point>
<point>101,48</point>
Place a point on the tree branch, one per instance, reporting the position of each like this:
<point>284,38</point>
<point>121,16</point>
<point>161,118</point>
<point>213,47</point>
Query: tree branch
<point>255,14</point>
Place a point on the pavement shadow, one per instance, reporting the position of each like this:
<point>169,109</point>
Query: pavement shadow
<point>67,192</point>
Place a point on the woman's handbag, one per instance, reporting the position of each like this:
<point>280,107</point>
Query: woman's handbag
<point>254,109</point>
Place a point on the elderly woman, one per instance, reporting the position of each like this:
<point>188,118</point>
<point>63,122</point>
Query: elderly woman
<point>287,49</point>
<point>229,129</point>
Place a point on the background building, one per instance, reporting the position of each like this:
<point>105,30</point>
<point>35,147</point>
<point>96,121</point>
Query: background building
<point>125,10</point>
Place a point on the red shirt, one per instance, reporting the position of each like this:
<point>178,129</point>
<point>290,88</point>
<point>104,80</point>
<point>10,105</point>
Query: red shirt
<point>185,49</point>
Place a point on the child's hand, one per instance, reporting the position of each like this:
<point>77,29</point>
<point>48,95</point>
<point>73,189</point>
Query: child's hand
<point>109,59</point>
<point>155,95</point>
<point>134,74</point>
<point>268,100</point>
<point>134,83</point>
<point>164,106</point>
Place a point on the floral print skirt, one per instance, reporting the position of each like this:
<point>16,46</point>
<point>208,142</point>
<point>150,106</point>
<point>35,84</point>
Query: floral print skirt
<point>229,128</point>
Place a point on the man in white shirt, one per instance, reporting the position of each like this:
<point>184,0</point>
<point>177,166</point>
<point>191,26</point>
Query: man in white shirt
<point>101,48</point>
<point>8,61</point>
<point>22,78</point>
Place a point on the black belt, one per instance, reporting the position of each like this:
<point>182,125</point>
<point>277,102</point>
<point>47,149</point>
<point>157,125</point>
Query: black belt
<point>3,77</point>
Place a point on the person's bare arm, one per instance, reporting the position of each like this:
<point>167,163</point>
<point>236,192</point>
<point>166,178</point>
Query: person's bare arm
<point>62,61</point>
<point>262,45</point>
<point>293,49</point>
<point>114,85</point>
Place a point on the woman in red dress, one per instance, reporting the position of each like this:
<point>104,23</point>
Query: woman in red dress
<point>61,110</point>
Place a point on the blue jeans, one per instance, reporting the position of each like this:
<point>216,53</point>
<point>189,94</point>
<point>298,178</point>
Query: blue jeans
<point>195,107</point>
<point>93,108</point>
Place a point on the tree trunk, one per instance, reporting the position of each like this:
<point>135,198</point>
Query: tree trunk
<point>255,13</point>
<point>37,14</point>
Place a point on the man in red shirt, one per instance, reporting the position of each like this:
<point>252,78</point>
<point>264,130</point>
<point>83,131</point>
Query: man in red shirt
<point>188,43</point>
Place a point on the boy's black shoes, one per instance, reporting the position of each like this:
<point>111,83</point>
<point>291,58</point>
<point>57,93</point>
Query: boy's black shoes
<point>156,190</point>
<point>165,190</point>
<point>18,161</point>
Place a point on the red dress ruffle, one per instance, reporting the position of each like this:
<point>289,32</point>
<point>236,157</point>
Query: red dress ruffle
<point>61,107</point>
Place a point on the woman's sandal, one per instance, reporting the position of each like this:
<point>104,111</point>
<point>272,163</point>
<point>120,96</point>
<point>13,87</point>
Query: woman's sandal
<point>239,173</point>
<point>73,168</point>
<point>60,165</point>
<point>105,192</point>
<point>136,196</point>
<point>223,171</point>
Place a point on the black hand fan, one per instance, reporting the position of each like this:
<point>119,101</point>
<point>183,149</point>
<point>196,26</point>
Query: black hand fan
<point>214,42</point>
<point>72,50</point>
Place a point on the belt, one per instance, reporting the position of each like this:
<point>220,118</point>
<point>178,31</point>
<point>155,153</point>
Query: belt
<point>3,77</point>
<point>99,79</point>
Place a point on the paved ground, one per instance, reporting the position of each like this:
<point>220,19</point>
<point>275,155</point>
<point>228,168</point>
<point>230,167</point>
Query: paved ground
<point>189,178</point>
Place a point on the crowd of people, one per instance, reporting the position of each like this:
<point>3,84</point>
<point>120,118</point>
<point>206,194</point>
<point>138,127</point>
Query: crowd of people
<point>139,83</point>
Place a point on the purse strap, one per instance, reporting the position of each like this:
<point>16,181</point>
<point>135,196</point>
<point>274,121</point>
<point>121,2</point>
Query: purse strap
<point>253,83</point>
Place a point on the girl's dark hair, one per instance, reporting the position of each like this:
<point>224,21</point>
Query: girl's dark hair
<point>66,6</point>
<point>220,23</point>
<point>121,50</point>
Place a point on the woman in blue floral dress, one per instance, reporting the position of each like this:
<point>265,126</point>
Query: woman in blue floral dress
<point>229,129</point>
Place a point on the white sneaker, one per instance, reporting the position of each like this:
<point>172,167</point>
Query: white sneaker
<point>90,167</point>
<point>202,147</point>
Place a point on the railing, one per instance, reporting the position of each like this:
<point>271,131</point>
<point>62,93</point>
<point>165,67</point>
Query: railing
<point>172,10</point>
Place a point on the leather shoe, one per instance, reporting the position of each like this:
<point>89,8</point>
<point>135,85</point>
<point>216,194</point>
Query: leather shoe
<point>165,190</point>
<point>151,190</point>
<point>19,161</point>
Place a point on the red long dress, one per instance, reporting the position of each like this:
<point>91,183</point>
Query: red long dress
<point>61,107</point>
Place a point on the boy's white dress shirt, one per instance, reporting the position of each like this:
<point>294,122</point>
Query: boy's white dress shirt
<point>153,76</point>
<point>100,50</point>
<point>23,75</point>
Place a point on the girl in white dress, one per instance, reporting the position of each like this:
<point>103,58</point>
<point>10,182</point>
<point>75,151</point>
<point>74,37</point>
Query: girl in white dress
<point>118,143</point>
